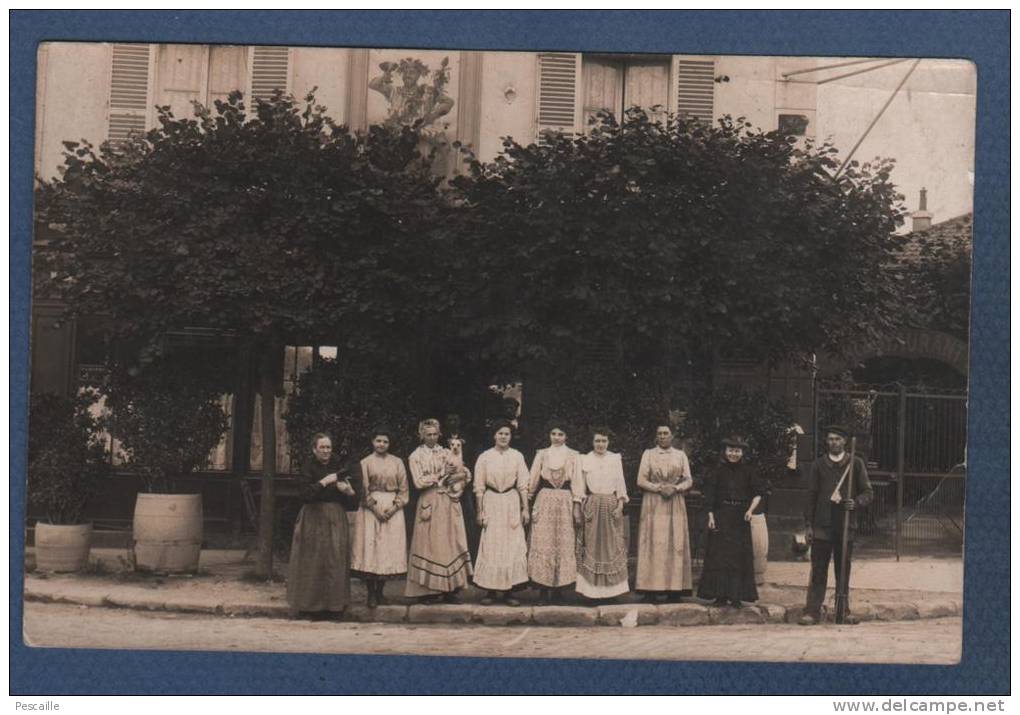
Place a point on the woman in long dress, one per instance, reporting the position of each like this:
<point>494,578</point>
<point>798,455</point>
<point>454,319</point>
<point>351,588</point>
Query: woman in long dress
<point>318,578</point>
<point>599,496</point>
<point>664,550</point>
<point>501,492</point>
<point>439,564</point>
<point>380,538</point>
<point>552,560</point>
<point>732,492</point>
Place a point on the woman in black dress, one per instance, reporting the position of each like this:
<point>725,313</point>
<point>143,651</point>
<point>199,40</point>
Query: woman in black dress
<point>319,581</point>
<point>732,492</point>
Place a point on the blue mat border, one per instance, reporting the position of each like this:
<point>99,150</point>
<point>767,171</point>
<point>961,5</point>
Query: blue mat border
<point>982,37</point>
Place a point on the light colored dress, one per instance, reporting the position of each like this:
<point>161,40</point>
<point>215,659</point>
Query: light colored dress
<point>439,560</point>
<point>664,544</point>
<point>552,559</point>
<point>379,548</point>
<point>602,551</point>
<point>501,483</point>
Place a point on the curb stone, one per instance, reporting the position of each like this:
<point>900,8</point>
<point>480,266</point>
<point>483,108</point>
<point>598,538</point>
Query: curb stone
<point>937,609</point>
<point>673,614</point>
<point>565,616</point>
<point>450,613</point>
<point>502,615</point>
<point>616,614</point>
<point>729,616</point>
<point>379,614</point>
<point>683,614</point>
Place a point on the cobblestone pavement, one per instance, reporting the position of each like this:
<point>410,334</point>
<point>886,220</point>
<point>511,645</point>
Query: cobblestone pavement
<point>926,641</point>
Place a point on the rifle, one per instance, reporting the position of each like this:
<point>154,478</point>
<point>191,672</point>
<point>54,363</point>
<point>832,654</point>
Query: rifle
<point>843,588</point>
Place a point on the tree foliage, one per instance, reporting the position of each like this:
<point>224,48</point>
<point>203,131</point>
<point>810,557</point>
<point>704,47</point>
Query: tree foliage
<point>716,413</point>
<point>346,400</point>
<point>277,221</point>
<point>67,455</point>
<point>653,235</point>
<point>167,415</point>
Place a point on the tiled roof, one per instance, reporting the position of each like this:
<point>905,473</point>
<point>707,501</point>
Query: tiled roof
<point>951,231</point>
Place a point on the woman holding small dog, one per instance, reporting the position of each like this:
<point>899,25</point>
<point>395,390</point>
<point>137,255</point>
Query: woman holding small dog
<point>379,550</point>
<point>439,564</point>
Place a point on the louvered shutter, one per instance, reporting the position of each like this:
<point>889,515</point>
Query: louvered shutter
<point>559,74</point>
<point>694,83</point>
<point>129,91</point>
<point>270,71</point>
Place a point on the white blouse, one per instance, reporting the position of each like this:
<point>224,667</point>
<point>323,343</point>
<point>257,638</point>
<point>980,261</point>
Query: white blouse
<point>600,475</point>
<point>427,465</point>
<point>501,470</point>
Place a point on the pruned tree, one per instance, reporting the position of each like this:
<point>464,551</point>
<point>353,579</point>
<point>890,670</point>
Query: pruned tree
<point>277,225</point>
<point>640,240</point>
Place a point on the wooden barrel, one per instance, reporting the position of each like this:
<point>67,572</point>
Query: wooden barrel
<point>167,532</point>
<point>62,548</point>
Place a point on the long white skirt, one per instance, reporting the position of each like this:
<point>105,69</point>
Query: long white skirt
<point>379,548</point>
<point>502,561</point>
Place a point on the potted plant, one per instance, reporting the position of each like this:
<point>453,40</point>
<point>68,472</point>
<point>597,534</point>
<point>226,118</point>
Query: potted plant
<point>66,458</point>
<point>168,417</point>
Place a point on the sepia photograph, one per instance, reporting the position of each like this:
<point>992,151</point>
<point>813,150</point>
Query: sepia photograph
<point>503,354</point>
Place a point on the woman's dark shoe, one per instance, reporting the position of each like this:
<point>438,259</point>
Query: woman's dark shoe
<point>511,601</point>
<point>379,598</point>
<point>737,604</point>
<point>452,598</point>
<point>490,598</point>
<point>720,602</point>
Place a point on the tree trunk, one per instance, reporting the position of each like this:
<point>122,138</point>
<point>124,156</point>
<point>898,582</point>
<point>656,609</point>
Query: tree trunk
<point>268,370</point>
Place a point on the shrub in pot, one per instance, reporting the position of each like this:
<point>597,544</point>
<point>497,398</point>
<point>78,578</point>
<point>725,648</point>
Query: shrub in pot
<point>66,457</point>
<point>168,417</point>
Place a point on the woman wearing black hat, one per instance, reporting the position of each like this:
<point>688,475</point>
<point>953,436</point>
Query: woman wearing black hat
<point>732,492</point>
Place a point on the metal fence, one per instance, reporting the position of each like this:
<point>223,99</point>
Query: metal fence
<point>914,443</point>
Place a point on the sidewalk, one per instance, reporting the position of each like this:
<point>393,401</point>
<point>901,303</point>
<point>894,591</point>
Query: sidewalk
<point>882,590</point>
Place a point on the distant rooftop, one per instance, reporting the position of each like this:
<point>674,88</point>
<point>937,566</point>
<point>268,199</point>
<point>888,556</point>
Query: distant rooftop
<point>952,231</point>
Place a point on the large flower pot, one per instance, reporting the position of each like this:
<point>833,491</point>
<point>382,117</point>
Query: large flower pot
<point>62,548</point>
<point>167,533</point>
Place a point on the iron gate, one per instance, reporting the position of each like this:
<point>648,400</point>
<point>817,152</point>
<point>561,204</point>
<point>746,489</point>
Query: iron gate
<point>914,443</point>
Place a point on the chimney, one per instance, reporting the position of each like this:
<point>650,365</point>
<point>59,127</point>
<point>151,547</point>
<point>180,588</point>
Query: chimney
<point>921,217</point>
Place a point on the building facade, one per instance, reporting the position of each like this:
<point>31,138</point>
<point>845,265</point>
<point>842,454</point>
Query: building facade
<point>100,92</point>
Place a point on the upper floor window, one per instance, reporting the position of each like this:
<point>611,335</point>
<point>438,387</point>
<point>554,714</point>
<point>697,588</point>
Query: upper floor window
<point>615,84</point>
<point>202,73</point>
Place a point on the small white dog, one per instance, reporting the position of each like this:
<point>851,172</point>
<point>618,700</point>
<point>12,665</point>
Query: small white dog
<point>457,480</point>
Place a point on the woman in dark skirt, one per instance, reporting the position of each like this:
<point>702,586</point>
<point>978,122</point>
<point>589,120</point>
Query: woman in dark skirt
<point>732,492</point>
<point>319,582</point>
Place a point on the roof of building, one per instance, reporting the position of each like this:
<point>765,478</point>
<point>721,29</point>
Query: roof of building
<point>952,231</point>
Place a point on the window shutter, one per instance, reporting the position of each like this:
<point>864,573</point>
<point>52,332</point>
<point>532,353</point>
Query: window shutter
<point>559,74</point>
<point>694,80</point>
<point>270,71</point>
<point>129,91</point>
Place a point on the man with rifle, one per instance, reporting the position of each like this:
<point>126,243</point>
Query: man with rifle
<point>837,485</point>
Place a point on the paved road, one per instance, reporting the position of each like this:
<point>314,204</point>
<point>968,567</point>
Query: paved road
<point>926,641</point>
